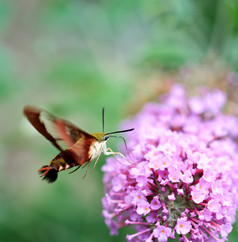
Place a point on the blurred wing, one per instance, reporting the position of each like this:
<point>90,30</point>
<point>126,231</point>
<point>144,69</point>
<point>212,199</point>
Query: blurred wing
<point>55,129</point>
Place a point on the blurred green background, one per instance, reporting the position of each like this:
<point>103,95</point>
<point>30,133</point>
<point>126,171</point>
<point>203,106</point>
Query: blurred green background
<point>72,58</point>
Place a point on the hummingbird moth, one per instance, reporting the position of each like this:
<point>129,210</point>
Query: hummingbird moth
<point>82,147</point>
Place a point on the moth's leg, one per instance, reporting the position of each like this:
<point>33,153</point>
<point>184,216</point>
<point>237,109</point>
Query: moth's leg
<point>85,164</point>
<point>75,170</point>
<point>96,162</point>
<point>87,169</point>
<point>110,152</point>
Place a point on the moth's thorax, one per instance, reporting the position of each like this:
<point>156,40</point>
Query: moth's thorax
<point>99,136</point>
<point>96,149</point>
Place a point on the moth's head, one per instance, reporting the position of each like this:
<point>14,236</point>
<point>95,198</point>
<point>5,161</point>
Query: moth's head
<point>101,136</point>
<point>106,137</point>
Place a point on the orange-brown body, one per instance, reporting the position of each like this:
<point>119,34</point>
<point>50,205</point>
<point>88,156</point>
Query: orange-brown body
<point>76,156</point>
<point>83,147</point>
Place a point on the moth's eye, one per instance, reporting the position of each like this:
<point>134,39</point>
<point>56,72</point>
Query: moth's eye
<point>106,137</point>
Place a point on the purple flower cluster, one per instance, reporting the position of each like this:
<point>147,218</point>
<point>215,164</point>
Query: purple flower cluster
<point>183,174</point>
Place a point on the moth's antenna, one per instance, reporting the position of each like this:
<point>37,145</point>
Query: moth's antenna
<point>120,131</point>
<point>103,111</point>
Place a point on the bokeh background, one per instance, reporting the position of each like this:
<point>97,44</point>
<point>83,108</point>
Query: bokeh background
<point>72,58</point>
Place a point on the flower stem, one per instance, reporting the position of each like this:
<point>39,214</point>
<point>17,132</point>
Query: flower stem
<point>131,236</point>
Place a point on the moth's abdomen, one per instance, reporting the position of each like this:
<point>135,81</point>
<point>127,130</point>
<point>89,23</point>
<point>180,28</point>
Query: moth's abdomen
<point>64,160</point>
<point>49,173</point>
